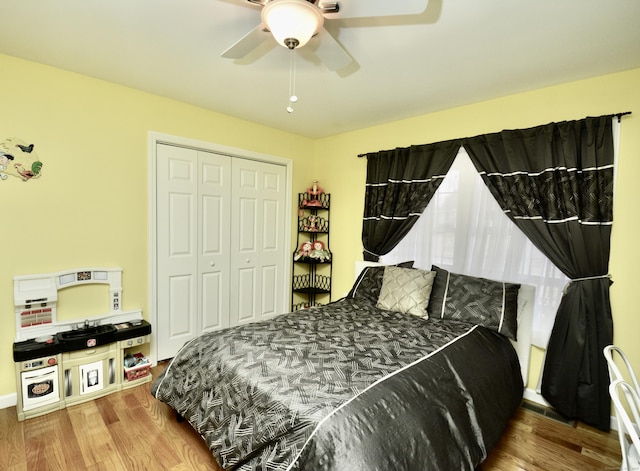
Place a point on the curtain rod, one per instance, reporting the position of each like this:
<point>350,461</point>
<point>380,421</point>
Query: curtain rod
<point>620,115</point>
<point>615,115</point>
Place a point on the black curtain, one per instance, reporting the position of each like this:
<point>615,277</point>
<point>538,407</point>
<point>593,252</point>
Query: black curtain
<point>400,183</point>
<point>556,183</point>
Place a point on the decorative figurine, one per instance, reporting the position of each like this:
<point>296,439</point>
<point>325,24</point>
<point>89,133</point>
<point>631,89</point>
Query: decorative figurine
<point>312,223</point>
<point>319,252</point>
<point>304,251</point>
<point>313,192</point>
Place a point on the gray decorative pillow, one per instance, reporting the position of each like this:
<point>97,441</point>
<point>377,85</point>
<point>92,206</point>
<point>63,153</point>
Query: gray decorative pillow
<point>368,284</point>
<point>406,290</point>
<point>489,303</point>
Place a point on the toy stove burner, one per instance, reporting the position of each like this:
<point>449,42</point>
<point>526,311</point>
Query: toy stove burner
<point>36,348</point>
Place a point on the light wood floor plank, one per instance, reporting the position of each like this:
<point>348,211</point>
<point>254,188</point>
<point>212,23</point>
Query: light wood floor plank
<point>11,441</point>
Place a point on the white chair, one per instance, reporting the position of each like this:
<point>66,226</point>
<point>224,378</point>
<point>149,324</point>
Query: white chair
<point>614,371</point>
<point>626,402</point>
<point>616,375</point>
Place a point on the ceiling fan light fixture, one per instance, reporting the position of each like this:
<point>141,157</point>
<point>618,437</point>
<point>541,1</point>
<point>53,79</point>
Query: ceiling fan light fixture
<point>292,22</point>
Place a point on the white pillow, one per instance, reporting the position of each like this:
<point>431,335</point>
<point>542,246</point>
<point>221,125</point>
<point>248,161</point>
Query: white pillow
<point>406,290</point>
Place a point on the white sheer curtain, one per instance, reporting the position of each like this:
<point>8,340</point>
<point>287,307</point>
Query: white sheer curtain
<point>464,230</point>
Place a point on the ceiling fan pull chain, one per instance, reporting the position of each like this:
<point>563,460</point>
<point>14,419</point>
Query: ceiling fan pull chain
<point>292,81</point>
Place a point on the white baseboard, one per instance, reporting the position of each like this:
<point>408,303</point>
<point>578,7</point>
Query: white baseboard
<point>534,396</point>
<point>8,400</point>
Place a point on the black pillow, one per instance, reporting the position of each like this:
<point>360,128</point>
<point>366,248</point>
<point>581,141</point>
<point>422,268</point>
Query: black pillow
<point>489,303</point>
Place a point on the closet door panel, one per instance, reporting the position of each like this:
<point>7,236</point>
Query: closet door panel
<point>176,240</point>
<point>272,240</point>
<point>244,259</point>
<point>258,207</point>
<point>214,279</point>
<point>214,234</point>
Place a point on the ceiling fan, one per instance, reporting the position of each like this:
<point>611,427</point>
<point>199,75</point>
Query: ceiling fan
<point>294,22</point>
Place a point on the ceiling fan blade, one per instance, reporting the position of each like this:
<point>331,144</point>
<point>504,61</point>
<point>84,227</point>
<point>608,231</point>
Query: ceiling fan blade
<point>369,8</point>
<point>247,43</point>
<point>332,54</point>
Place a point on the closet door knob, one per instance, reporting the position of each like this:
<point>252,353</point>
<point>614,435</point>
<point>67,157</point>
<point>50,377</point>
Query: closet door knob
<point>213,264</point>
<point>248,260</point>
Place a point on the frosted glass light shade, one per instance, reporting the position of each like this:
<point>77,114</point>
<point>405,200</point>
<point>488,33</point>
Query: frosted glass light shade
<point>292,19</point>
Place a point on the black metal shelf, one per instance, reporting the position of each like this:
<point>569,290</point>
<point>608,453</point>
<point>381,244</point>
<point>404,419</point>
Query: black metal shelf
<point>312,261</point>
<point>313,225</point>
<point>312,291</point>
<point>311,283</point>
<point>308,201</point>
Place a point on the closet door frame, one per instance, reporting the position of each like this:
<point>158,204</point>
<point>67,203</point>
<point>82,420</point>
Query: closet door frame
<point>156,138</point>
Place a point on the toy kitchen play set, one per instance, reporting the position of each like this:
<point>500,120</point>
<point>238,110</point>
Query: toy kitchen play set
<point>59,364</point>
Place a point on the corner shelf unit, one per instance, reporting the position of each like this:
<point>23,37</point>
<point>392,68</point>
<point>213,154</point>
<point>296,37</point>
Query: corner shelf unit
<point>312,260</point>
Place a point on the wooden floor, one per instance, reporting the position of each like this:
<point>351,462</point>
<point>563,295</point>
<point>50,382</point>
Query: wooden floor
<point>131,430</point>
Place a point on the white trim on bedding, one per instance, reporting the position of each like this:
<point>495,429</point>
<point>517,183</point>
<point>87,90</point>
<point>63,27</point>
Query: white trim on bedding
<point>375,383</point>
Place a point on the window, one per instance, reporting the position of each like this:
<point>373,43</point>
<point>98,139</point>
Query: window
<point>464,230</point>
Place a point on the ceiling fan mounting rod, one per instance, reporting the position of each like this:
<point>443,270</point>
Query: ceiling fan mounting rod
<point>329,7</point>
<point>326,7</point>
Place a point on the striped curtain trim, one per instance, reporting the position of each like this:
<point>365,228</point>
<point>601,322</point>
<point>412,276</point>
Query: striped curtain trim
<point>531,218</point>
<point>391,218</point>
<point>392,181</point>
<point>562,221</point>
<point>552,169</point>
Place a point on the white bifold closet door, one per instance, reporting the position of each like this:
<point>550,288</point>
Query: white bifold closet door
<point>220,243</point>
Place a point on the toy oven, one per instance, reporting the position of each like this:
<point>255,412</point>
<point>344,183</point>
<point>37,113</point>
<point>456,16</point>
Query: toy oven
<point>39,383</point>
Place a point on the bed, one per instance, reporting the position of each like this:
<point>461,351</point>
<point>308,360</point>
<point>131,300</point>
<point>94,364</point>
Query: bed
<point>412,370</point>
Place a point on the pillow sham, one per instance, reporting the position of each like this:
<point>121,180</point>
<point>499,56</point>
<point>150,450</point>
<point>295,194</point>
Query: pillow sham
<point>368,284</point>
<point>406,290</point>
<point>489,303</point>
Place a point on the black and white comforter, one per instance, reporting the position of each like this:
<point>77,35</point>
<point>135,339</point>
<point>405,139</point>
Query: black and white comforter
<point>347,387</point>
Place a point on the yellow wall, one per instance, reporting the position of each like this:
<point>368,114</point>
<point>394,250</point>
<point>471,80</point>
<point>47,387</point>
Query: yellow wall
<point>89,208</point>
<point>336,165</point>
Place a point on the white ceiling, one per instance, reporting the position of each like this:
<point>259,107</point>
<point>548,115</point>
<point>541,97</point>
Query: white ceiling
<point>455,53</point>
